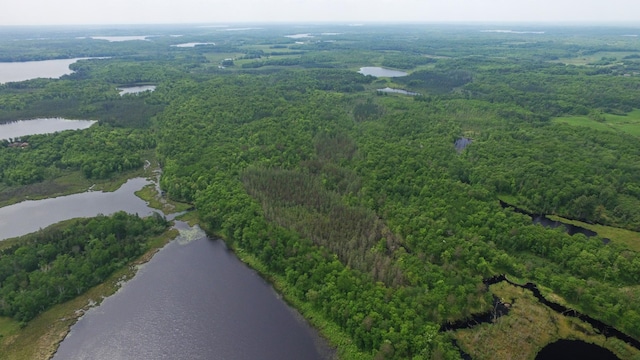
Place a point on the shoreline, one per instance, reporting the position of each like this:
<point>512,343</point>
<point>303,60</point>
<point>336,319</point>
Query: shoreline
<point>40,338</point>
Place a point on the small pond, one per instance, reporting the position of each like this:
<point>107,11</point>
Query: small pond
<point>574,349</point>
<point>16,129</point>
<point>193,300</point>
<point>398,91</point>
<point>381,72</point>
<point>135,89</point>
<point>462,143</point>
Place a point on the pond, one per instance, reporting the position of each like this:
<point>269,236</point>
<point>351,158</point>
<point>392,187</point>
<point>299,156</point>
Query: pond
<point>193,300</point>
<point>31,215</point>
<point>462,143</point>
<point>16,129</point>
<point>27,70</point>
<point>135,89</point>
<point>381,72</point>
<point>398,91</point>
<point>574,349</point>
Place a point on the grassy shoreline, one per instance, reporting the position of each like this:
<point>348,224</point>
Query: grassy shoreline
<point>620,236</point>
<point>529,327</point>
<point>39,338</point>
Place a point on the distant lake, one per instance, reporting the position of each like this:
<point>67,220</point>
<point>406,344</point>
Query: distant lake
<point>31,215</point>
<point>26,70</point>
<point>381,72</point>
<point>193,44</point>
<point>120,38</point>
<point>299,36</point>
<point>136,89</point>
<point>512,32</point>
<point>398,91</point>
<point>20,128</point>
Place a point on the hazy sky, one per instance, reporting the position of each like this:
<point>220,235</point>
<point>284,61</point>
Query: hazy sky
<point>45,12</point>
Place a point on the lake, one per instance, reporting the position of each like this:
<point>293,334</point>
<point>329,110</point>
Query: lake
<point>397,91</point>
<point>193,300</point>
<point>381,72</point>
<point>299,36</point>
<point>31,215</point>
<point>26,70</point>
<point>120,38</point>
<point>16,129</point>
<point>193,44</point>
<point>135,89</point>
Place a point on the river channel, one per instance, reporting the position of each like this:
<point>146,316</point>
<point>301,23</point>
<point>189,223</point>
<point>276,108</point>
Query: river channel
<point>31,215</point>
<point>193,300</point>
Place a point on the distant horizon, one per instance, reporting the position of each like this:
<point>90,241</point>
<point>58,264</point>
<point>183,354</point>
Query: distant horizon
<point>221,25</point>
<point>166,12</point>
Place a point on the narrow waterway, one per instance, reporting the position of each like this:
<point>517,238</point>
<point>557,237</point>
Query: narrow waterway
<point>31,215</point>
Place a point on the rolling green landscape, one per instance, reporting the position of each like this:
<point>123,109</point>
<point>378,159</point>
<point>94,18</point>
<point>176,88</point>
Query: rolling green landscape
<point>355,204</point>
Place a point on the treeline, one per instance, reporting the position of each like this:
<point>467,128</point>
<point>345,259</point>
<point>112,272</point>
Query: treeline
<point>59,263</point>
<point>386,199</point>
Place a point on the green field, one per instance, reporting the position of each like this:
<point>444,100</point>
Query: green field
<point>594,58</point>
<point>629,124</point>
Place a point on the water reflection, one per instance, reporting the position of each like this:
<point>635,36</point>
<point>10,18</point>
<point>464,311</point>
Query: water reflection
<point>193,300</point>
<point>29,216</point>
<point>381,72</point>
<point>26,70</point>
<point>15,129</point>
<point>135,89</point>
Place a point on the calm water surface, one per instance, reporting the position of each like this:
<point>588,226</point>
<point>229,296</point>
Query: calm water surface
<point>398,91</point>
<point>120,38</point>
<point>193,300</point>
<point>135,89</point>
<point>19,128</point>
<point>381,72</point>
<point>193,44</point>
<point>29,216</point>
<point>26,70</point>
<point>574,349</point>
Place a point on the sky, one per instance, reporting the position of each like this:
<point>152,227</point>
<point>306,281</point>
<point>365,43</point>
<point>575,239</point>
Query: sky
<point>76,12</point>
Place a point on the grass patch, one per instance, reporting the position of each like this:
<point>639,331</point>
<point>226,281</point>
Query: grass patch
<point>528,328</point>
<point>628,238</point>
<point>628,124</point>
<point>150,194</point>
<point>594,58</point>
<point>39,338</point>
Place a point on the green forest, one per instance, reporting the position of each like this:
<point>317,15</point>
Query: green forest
<point>355,203</point>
